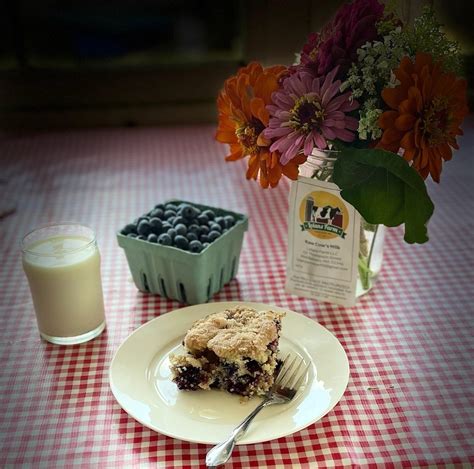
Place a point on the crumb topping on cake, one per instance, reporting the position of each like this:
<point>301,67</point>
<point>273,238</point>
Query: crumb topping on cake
<point>235,332</point>
<point>187,360</point>
<point>234,350</point>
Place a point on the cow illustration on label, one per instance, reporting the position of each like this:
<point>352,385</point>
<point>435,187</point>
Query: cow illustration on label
<point>324,215</point>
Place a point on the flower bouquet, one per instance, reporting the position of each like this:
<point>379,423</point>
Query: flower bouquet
<point>383,100</point>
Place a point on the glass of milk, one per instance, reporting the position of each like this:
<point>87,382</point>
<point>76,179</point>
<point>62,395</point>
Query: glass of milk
<point>62,264</point>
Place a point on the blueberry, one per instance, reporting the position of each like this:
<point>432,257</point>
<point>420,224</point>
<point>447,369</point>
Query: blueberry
<point>213,235</point>
<point>215,226</point>
<point>171,206</point>
<point>169,214</point>
<point>181,242</point>
<point>164,239</point>
<point>132,235</point>
<point>222,222</point>
<point>204,238</point>
<point>129,228</point>
<point>167,226</point>
<point>204,245</point>
<point>171,220</point>
<point>141,237</point>
<point>160,206</point>
<point>188,212</point>
<point>203,229</point>
<point>172,233</point>
<point>156,213</point>
<point>179,220</point>
<point>140,219</point>
<point>152,238</point>
<point>181,229</point>
<point>203,219</point>
<point>156,225</point>
<point>195,246</point>
<point>230,220</point>
<point>209,214</point>
<point>225,230</point>
<point>191,236</point>
<point>144,228</point>
<point>193,229</point>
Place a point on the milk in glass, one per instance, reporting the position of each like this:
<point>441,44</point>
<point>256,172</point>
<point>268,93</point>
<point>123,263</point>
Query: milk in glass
<point>62,264</point>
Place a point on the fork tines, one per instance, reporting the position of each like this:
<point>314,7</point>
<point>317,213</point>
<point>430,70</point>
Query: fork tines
<point>292,373</point>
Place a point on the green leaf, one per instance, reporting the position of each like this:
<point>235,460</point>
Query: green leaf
<point>385,190</point>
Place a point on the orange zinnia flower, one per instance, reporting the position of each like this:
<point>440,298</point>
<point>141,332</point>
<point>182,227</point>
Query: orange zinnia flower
<point>427,108</point>
<point>243,117</point>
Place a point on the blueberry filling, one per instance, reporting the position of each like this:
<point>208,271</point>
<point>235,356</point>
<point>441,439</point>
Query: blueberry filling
<point>240,385</point>
<point>273,346</point>
<point>240,374</point>
<point>252,366</point>
<point>189,378</point>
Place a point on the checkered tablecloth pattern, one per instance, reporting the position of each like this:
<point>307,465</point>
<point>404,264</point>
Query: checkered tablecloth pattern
<point>410,342</point>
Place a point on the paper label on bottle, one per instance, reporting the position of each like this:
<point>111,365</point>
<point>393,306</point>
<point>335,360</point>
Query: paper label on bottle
<point>323,243</point>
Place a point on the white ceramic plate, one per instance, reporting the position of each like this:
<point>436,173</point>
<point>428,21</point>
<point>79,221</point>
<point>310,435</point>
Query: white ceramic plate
<point>140,380</point>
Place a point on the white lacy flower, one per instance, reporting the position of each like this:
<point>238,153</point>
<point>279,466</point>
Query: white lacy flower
<point>373,73</point>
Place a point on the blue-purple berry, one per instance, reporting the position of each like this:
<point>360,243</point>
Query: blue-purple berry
<point>169,214</point>
<point>195,246</point>
<point>221,221</point>
<point>209,214</point>
<point>193,229</point>
<point>181,242</point>
<point>215,226</point>
<point>203,219</point>
<point>164,239</point>
<point>179,220</point>
<point>156,213</point>
<point>172,233</point>
<point>213,235</point>
<point>188,212</point>
<point>144,228</point>
<point>129,228</point>
<point>171,206</point>
<point>181,229</point>
<point>156,225</point>
<point>230,221</point>
<point>204,230</point>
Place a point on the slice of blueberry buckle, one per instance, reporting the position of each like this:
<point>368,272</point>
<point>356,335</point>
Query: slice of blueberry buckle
<point>234,350</point>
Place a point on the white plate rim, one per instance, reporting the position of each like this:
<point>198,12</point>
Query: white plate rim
<point>221,306</point>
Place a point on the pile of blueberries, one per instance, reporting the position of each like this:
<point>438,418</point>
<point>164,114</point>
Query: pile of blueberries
<point>181,225</point>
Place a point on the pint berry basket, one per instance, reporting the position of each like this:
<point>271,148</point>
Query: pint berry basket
<point>187,277</point>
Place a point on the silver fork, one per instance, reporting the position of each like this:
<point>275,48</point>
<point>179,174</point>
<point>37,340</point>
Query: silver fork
<point>286,385</point>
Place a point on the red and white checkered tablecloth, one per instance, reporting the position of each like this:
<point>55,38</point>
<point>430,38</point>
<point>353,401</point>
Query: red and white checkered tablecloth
<point>410,342</point>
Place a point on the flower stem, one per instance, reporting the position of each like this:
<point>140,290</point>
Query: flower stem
<point>365,273</point>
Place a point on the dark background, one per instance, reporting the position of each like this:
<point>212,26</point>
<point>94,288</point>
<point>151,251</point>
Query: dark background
<point>114,63</point>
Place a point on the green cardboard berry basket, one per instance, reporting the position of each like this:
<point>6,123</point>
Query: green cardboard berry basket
<point>190,278</point>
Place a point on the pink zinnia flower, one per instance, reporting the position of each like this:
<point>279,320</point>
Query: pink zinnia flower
<point>307,112</point>
<point>353,25</point>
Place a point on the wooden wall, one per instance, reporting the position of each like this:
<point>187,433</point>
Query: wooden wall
<point>45,97</point>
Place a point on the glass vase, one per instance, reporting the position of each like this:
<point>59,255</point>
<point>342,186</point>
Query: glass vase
<point>320,165</point>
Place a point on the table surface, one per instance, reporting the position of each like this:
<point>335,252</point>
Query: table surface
<point>410,342</point>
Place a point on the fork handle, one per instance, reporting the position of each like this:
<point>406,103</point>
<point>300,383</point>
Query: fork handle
<point>220,453</point>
